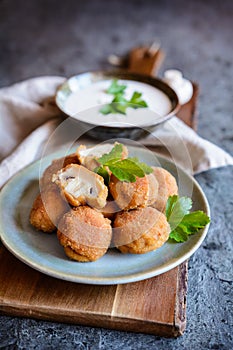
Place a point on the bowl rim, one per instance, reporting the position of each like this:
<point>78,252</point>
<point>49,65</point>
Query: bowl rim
<point>124,75</point>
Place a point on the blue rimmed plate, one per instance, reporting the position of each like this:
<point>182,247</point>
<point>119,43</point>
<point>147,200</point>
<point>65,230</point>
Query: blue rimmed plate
<point>43,252</point>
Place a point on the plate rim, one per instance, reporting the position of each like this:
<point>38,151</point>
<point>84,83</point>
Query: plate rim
<point>133,277</point>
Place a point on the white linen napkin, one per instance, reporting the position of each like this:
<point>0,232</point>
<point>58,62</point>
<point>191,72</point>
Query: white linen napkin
<point>28,116</point>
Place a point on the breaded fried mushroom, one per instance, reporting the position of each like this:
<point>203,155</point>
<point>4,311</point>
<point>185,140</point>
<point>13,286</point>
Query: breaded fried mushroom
<point>131,195</point>
<point>81,186</point>
<point>88,156</point>
<point>56,165</point>
<point>47,209</point>
<point>140,231</point>
<point>167,187</point>
<point>110,209</point>
<point>153,187</point>
<point>85,234</point>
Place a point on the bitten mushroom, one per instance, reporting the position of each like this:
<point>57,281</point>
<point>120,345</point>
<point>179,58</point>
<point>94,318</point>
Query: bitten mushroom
<point>81,186</point>
<point>57,164</point>
<point>88,156</point>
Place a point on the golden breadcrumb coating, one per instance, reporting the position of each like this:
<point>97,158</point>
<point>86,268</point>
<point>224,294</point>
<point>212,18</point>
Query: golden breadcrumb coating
<point>57,164</point>
<point>140,231</point>
<point>152,190</point>
<point>110,209</point>
<point>167,187</point>
<point>47,209</point>
<point>84,233</point>
<point>131,195</point>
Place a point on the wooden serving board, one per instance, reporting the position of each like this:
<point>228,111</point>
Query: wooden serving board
<point>156,305</point>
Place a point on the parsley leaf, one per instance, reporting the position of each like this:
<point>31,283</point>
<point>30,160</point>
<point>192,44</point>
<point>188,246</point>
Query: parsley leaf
<point>146,168</point>
<point>178,235</point>
<point>107,109</point>
<point>137,101</point>
<point>124,169</point>
<point>182,222</point>
<point>115,88</point>
<point>119,104</point>
<point>194,221</point>
<point>104,173</point>
<point>169,205</point>
<point>115,154</point>
<point>176,209</point>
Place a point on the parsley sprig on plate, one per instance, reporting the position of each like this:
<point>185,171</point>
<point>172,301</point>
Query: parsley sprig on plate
<point>119,104</point>
<point>124,169</point>
<point>183,222</point>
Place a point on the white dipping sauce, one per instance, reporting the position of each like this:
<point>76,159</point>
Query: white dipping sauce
<point>85,104</point>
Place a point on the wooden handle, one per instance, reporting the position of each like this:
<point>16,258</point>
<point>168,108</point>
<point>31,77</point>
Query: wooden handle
<point>145,60</point>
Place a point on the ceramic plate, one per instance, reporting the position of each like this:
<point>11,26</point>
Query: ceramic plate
<point>44,253</point>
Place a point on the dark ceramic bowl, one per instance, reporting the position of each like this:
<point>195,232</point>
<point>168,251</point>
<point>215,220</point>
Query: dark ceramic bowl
<point>108,130</point>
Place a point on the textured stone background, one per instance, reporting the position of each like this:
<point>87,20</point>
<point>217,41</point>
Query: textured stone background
<point>67,37</point>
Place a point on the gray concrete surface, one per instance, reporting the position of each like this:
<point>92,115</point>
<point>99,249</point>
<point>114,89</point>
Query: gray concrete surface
<point>67,37</point>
